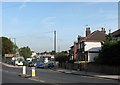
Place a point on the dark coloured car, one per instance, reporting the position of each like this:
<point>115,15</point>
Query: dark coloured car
<point>39,65</point>
<point>50,65</point>
<point>31,64</point>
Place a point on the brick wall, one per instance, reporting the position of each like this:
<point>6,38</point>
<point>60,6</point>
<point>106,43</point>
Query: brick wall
<point>93,68</point>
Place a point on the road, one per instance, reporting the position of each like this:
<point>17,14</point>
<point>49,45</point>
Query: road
<point>10,75</point>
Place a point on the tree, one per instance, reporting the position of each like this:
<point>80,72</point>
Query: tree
<point>7,46</point>
<point>44,53</point>
<point>15,48</point>
<point>25,52</point>
<point>109,54</point>
<point>61,57</point>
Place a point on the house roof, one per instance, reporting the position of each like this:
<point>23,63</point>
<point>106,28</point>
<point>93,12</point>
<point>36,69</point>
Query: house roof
<point>80,38</point>
<point>116,33</point>
<point>96,36</point>
<point>71,46</point>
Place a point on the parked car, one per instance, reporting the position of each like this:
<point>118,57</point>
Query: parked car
<point>31,64</point>
<point>19,63</point>
<point>40,65</point>
<point>44,65</point>
<point>50,65</point>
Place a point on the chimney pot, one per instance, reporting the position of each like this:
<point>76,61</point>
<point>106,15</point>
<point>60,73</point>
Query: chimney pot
<point>103,30</point>
<point>88,31</point>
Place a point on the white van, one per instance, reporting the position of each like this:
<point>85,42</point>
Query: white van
<point>19,63</point>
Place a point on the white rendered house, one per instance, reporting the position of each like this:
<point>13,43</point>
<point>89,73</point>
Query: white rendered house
<point>90,46</point>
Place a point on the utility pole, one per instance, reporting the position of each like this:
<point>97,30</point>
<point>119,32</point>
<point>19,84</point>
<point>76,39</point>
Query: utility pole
<point>55,41</point>
<point>14,41</point>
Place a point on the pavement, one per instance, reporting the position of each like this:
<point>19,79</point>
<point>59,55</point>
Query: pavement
<point>10,65</point>
<point>75,72</point>
<point>91,74</point>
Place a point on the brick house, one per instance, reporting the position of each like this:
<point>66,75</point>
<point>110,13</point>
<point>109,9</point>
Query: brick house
<point>88,47</point>
<point>116,34</point>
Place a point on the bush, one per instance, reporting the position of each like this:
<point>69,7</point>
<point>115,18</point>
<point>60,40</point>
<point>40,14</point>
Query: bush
<point>61,57</point>
<point>110,53</point>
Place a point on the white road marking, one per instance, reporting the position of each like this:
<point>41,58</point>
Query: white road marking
<point>96,77</point>
<point>55,84</point>
<point>42,81</point>
<point>36,80</point>
<point>9,72</point>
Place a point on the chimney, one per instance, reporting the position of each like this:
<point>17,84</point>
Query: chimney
<point>79,38</point>
<point>87,31</point>
<point>75,50</point>
<point>103,30</point>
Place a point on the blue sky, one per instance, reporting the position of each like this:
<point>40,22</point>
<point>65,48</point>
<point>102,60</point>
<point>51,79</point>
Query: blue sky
<point>33,23</point>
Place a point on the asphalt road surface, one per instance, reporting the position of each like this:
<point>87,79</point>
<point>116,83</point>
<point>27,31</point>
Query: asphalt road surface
<point>47,76</point>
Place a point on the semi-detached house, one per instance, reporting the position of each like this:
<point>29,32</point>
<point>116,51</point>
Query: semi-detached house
<point>116,34</point>
<point>88,47</point>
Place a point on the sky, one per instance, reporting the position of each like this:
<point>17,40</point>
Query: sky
<point>32,23</point>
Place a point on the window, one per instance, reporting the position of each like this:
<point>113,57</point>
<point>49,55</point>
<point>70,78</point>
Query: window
<point>118,38</point>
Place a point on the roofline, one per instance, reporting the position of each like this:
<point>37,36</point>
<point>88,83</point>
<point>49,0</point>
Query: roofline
<point>92,34</point>
<point>93,41</point>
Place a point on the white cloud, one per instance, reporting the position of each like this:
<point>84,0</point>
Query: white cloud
<point>47,19</point>
<point>48,22</point>
<point>24,4</point>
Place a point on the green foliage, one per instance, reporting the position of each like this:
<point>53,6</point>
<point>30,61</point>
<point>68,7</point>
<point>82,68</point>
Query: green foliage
<point>25,63</point>
<point>15,48</point>
<point>61,57</point>
<point>110,53</point>
<point>52,53</point>
<point>25,52</point>
<point>7,46</point>
<point>44,52</point>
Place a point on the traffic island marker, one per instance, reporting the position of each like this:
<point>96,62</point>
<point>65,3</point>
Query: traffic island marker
<point>24,75</point>
<point>33,72</point>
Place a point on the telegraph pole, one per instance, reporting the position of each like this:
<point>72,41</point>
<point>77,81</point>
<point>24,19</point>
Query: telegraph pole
<point>14,41</point>
<point>55,41</point>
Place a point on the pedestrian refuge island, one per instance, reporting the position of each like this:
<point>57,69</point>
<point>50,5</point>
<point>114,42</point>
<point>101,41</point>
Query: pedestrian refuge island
<point>24,72</point>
